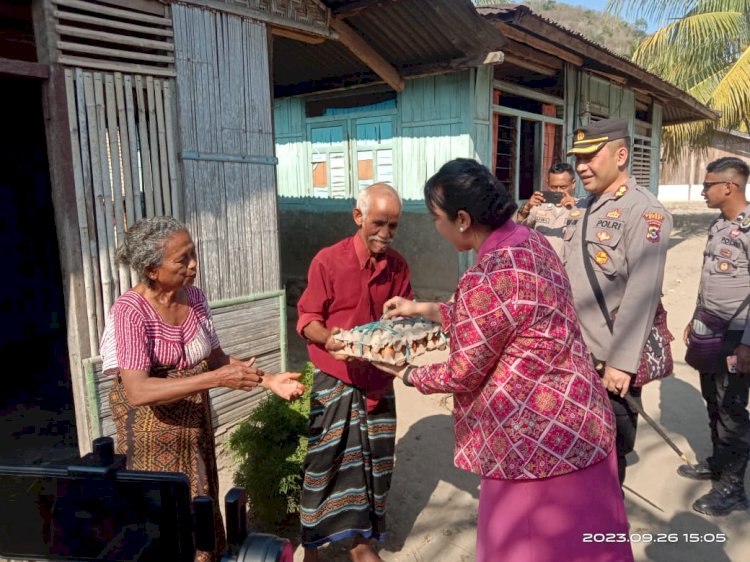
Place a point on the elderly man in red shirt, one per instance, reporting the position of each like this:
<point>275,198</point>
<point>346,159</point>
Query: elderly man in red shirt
<point>352,429</point>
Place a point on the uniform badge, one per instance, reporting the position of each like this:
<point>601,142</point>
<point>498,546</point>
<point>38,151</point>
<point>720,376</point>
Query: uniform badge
<point>541,213</point>
<point>735,233</point>
<point>603,235</point>
<point>651,216</point>
<point>601,257</point>
<point>724,266</point>
<point>653,231</point>
<point>575,213</point>
<point>621,191</point>
<point>725,253</point>
<point>616,214</point>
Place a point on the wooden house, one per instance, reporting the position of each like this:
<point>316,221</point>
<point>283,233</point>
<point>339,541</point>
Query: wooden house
<point>515,112</point>
<point>120,109</point>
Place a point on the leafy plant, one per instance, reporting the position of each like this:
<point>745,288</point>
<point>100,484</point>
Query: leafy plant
<point>270,446</point>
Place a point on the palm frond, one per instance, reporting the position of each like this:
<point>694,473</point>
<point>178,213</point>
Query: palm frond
<point>732,95</point>
<point>658,12</point>
<point>692,34</point>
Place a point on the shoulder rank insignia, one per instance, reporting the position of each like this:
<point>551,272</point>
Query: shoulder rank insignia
<point>603,235</point>
<point>616,214</point>
<point>653,231</point>
<point>623,189</point>
<point>652,216</point>
<point>601,257</point>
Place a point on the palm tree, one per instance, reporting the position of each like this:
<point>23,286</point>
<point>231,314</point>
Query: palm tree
<point>702,47</point>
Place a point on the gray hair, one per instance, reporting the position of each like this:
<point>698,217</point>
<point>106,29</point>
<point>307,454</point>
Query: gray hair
<point>365,196</point>
<point>143,247</point>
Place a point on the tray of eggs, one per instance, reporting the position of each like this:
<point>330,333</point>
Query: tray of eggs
<point>396,341</point>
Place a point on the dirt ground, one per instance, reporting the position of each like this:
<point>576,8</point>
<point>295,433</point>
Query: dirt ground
<point>432,508</point>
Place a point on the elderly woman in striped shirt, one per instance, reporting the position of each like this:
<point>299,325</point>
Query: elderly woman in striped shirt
<point>531,416</point>
<point>160,343</point>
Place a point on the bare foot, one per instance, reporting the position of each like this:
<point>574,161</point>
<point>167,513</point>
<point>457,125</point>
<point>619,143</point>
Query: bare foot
<point>311,555</point>
<point>363,552</point>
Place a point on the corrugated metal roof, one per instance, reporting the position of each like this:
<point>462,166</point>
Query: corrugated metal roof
<point>409,34</point>
<point>682,106</point>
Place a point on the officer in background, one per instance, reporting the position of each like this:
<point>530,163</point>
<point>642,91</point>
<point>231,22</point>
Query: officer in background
<point>626,236</point>
<point>550,218</point>
<point>725,283</point>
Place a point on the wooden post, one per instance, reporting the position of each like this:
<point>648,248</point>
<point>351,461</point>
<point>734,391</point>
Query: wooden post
<point>368,55</point>
<point>59,154</point>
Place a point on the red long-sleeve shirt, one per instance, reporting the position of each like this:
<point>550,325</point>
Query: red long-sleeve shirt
<point>346,289</point>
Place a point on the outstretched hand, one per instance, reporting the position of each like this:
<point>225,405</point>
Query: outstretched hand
<point>285,385</point>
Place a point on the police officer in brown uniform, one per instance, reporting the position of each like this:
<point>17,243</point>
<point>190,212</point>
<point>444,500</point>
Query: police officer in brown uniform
<point>547,217</point>
<point>623,232</point>
<point>725,284</point>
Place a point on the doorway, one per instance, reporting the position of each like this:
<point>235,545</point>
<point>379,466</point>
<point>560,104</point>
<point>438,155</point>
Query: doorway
<point>37,420</point>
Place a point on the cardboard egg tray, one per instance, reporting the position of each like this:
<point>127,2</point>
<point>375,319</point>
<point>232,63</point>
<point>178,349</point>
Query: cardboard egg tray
<point>396,341</point>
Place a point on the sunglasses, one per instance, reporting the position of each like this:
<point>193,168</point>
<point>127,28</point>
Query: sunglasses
<point>709,184</point>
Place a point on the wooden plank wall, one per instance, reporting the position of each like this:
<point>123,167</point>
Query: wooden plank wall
<point>656,120</point>
<point>294,176</point>
<point>226,135</point>
<point>435,120</point>
<point>125,168</point>
<point>482,78</point>
<point>435,127</point>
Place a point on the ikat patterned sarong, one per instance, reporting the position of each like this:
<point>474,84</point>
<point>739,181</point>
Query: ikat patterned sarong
<point>175,437</point>
<point>349,463</point>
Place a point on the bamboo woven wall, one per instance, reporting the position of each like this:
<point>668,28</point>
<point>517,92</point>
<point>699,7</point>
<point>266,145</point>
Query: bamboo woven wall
<point>125,168</point>
<point>226,134</point>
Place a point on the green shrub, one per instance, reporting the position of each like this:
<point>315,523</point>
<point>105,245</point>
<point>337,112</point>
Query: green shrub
<point>270,446</point>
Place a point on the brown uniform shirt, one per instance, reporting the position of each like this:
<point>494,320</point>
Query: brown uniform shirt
<point>550,220</point>
<point>725,277</point>
<point>626,239</point>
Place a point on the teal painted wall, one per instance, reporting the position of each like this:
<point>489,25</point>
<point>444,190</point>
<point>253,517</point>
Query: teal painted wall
<point>435,119</point>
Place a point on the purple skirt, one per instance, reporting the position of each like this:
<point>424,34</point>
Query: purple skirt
<point>579,516</point>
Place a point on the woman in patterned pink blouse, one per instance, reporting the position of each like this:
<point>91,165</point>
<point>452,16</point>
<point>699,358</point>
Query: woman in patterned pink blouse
<point>159,341</point>
<point>531,416</point>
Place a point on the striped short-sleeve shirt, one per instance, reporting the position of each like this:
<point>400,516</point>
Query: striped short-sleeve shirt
<point>136,338</point>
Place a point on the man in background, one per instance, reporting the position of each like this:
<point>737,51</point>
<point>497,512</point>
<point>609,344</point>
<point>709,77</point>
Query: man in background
<point>725,284</point>
<point>549,217</point>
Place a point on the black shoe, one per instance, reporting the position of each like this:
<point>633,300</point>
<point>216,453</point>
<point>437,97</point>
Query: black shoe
<point>722,500</point>
<point>699,471</point>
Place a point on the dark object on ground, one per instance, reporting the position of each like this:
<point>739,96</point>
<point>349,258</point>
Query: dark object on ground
<point>97,510</point>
